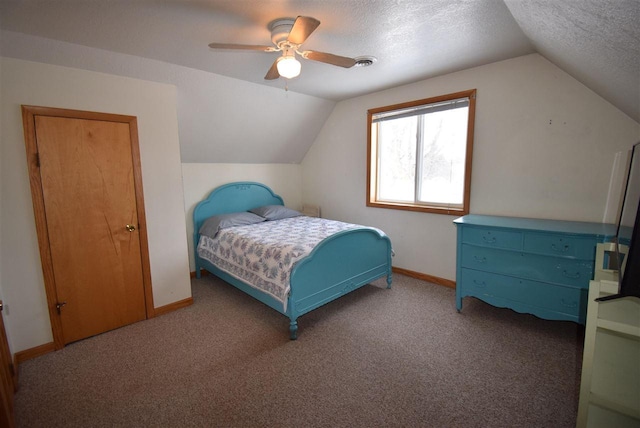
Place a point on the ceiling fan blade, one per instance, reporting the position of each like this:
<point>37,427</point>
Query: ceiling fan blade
<point>242,47</point>
<point>302,28</point>
<point>341,61</point>
<point>273,74</point>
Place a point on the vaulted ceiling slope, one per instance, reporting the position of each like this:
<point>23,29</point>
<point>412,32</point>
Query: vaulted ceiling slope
<point>596,41</point>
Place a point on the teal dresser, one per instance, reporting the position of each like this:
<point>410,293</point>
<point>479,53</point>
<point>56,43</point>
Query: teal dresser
<point>541,267</point>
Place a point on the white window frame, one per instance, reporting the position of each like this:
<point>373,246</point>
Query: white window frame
<point>416,108</point>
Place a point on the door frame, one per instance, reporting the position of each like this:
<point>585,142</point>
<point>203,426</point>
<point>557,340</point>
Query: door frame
<point>8,385</point>
<point>28,119</point>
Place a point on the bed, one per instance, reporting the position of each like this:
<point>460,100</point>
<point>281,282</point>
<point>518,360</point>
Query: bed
<point>337,265</point>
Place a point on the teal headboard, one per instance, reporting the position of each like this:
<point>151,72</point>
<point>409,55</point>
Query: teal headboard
<point>231,198</point>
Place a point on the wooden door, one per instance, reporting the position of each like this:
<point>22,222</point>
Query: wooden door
<point>91,215</point>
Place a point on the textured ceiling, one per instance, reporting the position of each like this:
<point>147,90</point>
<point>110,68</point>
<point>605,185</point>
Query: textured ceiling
<point>596,41</point>
<point>412,39</point>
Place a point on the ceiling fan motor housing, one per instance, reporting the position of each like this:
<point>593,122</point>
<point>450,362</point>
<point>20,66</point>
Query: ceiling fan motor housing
<point>280,30</point>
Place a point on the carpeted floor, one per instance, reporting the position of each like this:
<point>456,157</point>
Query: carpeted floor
<point>375,358</point>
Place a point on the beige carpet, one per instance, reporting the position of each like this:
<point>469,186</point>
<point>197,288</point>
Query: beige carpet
<point>399,358</point>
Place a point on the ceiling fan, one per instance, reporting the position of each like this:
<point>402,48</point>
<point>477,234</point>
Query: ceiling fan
<point>287,35</point>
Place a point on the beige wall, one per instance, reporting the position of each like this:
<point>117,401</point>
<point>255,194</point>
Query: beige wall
<point>154,105</point>
<point>544,148</point>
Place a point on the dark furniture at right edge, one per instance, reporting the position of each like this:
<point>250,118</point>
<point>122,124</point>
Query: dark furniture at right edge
<point>541,267</point>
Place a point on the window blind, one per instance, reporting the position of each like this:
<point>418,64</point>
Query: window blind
<point>418,110</point>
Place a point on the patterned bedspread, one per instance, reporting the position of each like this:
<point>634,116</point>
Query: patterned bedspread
<point>264,254</point>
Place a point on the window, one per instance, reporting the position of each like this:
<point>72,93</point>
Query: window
<point>419,154</point>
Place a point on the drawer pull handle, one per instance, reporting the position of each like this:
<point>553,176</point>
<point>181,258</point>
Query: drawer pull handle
<point>571,275</point>
<point>489,239</point>
<point>562,249</point>
<point>573,304</point>
<point>480,259</point>
<point>480,283</point>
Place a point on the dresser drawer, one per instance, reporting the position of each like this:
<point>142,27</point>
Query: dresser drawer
<point>560,245</point>
<point>571,272</point>
<point>479,284</point>
<point>556,298</point>
<point>495,238</point>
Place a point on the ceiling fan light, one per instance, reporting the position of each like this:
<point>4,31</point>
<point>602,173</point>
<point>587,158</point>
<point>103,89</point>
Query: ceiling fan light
<point>289,67</point>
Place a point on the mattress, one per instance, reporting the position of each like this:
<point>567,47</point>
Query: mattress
<point>264,254</point>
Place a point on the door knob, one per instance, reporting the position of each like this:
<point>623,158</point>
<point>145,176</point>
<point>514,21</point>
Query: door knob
<point>130,227</point>
<point>60,305</point>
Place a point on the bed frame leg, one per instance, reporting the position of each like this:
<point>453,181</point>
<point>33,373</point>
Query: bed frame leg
<point>389,279</point>
<point>293,330</point>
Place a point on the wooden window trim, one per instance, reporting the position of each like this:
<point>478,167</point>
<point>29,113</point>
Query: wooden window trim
<point>372,156</point>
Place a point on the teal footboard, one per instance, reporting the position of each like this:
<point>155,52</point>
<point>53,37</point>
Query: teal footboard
<point>338,265</point>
